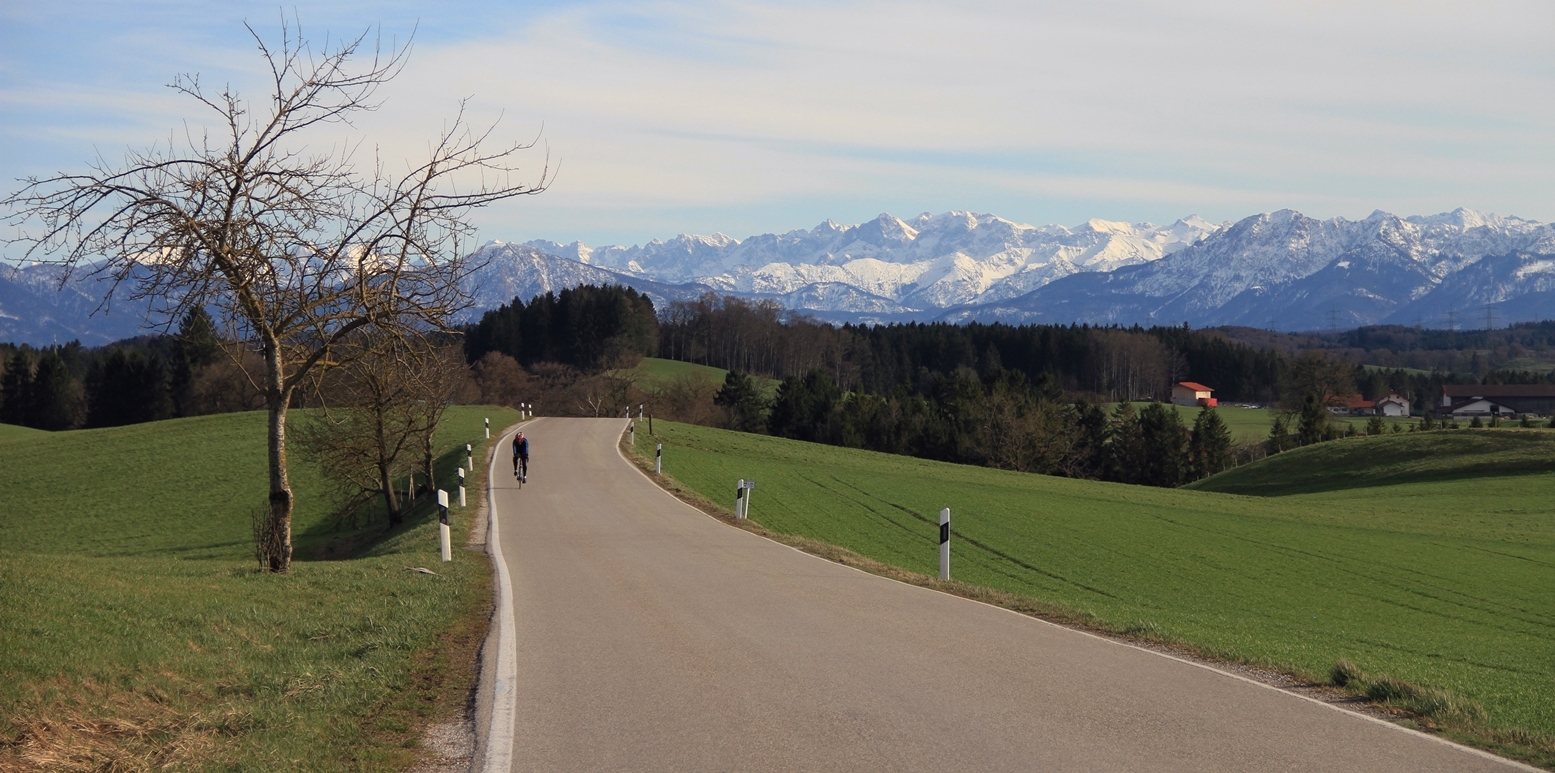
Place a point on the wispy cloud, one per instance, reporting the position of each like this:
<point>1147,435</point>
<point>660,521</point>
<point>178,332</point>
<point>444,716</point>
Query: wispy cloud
<point>747,117</point>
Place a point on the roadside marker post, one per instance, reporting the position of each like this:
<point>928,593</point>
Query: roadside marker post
<point>461,488</point>
<point>658,460</point>
<point>632,428</point>
<point>442,525</point>
<point>742,499</point>
<point>469,457</point>
<point>639,411</point>
<point>488,428</point>
<point>944,544</point>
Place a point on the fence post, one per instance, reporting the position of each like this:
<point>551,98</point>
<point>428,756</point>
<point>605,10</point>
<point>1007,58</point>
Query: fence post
<point>944,544</point>
<point>442,525</point>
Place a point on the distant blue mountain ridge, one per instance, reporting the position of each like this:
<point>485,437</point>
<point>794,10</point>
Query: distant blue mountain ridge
<point>1280,270</point>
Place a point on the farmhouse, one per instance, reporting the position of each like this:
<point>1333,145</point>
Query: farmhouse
<point>1191,394</point>
<point>1469,400</point>
<point>1392,404</point>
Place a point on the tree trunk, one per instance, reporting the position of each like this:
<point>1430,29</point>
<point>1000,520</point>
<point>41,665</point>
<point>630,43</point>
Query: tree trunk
<point>278,545</point>
<point>429,461</point>
<point>386,482</point>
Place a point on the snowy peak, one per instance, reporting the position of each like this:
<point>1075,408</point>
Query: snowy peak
<point>931,261</point>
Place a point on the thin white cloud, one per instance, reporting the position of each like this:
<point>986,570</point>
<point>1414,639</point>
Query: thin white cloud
<point>702,116</point>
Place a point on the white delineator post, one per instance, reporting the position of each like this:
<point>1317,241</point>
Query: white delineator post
<point>633,429</point>
<point>461,488</point>
<point>469,457</point>
<point>658,460</point>
<point>442,525</point>
<point>944,544</point>
<point>739,499</point>
<point>488,429</point>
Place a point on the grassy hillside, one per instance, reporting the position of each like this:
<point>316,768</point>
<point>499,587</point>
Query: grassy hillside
<point>1439,582</point>
<point>139,634</point>
<point>1252,424</point>
<point>653,373</point>
<point>8,431</point>
<point>1486,462</point>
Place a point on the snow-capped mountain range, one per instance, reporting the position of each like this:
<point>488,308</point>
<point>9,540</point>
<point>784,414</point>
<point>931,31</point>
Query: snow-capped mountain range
<point>889,265</point>
<point>1280,269</point>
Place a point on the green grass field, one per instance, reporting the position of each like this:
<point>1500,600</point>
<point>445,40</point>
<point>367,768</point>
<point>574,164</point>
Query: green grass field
<point>1252,424</point>
<point>9,431</point>
<point>1444,581</point>
<point>139,634</point>
<point>653,373</point>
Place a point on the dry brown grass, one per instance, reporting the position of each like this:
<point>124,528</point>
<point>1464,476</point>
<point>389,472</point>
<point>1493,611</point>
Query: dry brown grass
<point>91,727</point>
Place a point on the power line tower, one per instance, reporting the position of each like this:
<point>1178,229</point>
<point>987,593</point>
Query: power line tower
<point>1333,319</point>
<point>1452,319</point>
<point>1490,317</point>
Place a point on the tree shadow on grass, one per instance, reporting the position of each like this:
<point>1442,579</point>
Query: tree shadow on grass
<point>362,528</point>
<point>1356,463</point>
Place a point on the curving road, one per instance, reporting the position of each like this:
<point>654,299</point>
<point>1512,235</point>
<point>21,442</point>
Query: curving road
<point>651,637</point>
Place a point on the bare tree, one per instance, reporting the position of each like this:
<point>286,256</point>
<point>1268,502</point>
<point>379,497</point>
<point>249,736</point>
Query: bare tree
<point>298,250</point>
<point>372,420</point>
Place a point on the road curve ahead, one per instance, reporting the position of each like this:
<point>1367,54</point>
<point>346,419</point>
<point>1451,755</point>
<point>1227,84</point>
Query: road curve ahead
<point>651,637</point>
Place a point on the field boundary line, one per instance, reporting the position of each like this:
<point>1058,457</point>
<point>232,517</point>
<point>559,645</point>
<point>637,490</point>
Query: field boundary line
<point>497,752</point>
<point>1118,642</point>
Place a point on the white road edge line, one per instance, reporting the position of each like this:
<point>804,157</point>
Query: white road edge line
<point>1206,667</point>
<point>498,754</point>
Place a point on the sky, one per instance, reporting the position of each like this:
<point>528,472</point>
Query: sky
<point>660,118</point>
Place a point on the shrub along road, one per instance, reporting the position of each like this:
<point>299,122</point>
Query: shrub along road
<point>653,637</point>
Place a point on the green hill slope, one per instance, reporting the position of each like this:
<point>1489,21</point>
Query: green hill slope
<point>654,373</point>
<point>1487,460</point>
<point>9,431</point>
<point>1434,582</point>
<point>131,600</point>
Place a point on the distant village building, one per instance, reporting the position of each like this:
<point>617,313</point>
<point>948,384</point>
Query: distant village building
<point>1191,394</point>
<point>1470,400</point>
<point>1390,404</point>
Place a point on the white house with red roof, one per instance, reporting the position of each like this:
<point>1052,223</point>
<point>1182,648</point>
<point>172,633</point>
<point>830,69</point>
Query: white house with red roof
<point>1192,394</point>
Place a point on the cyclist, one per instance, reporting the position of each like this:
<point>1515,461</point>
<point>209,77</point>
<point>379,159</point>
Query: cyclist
<point>521,457</point>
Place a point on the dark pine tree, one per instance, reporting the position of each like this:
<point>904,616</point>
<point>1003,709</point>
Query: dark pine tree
<point>1210,449</point>
<point>1165,442</point>
<point>16,389</point>
<point>129,388</point>
<point>740,395</point>
<point>50,406</point>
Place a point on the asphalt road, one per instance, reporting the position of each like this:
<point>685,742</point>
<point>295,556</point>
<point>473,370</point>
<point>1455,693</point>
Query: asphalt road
<point>651,637</point>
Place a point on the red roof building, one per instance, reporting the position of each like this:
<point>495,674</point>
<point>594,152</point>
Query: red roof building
<point>1191,394</point>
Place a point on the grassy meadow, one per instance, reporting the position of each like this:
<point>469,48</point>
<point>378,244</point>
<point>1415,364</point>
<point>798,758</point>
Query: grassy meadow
<point>1427,557</point>
<point>654,373</point>
<point>1252,424</point>
<point>139,634</point>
